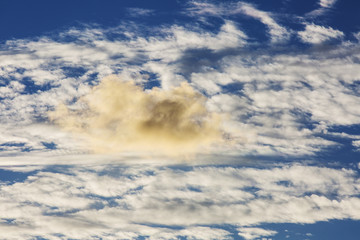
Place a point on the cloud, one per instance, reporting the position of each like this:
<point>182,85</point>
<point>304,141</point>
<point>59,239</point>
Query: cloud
<point>325,6</point>
<point>118,116</point>
<point>255,233</point>
<point>203,8</point>
<point>279,102</point>
<point>139,12</point>
<point>316,34</point>
<point>104,201</point>
<point>356,144</point>
<point>327,3</point>
<point>277,32</point>
<point>357,36</point>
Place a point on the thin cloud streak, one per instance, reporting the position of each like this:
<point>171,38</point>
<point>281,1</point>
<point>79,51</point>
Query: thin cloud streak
<point>315,34</point>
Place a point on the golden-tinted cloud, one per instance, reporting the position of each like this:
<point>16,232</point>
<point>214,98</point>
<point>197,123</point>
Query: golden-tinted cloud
<point>119,116</point>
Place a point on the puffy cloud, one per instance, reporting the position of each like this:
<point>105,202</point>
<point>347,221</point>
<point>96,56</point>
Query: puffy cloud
<point>118,116</point>
<point>316,34</point>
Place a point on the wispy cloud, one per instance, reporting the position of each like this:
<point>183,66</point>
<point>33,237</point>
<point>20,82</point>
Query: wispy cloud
<point>357,36</point>
<point>327,3</point>
<point>324,7</point>
<point>277,32</point>
<point>139,12</point>
<point>316,34</point>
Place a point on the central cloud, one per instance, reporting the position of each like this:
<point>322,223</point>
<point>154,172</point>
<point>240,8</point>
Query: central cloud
<point>119,116</point>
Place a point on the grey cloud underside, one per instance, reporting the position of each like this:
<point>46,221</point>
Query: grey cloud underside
<point>165,203</point>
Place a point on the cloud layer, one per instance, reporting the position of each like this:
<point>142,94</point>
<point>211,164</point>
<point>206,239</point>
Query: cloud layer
<point>112,201</point>
<point>282,98</point>
<point>279,101</point>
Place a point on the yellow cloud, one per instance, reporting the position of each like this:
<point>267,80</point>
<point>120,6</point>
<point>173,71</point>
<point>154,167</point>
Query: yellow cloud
<point>119,116</point>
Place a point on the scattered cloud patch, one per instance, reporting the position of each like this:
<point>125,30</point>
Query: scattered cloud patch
<point>250,233</point>
<point>327,3</point>
<point>277,33</point>
<point>316,34</point>
<point>357,36</point>
<point>324,7</point>
<point>139,12</point>
<point>175,82</point>
<point>356,144</point>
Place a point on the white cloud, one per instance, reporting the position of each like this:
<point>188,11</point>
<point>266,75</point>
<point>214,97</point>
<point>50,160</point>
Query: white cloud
<point>277,33</point>
<point>127,202</point>
<point>324,7</point>
<point>255,233</point>
<point>356,143</point>
<point>12,90</point>
<point>327,3</point>
<point>276,103</point>
<point>316,34</point>
<point>278,91</point>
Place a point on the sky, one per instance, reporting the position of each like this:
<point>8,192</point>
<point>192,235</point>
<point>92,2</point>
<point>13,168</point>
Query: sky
<point>180,119</point>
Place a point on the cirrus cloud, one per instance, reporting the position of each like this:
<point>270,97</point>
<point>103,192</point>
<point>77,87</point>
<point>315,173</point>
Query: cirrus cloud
<point>316,34</point>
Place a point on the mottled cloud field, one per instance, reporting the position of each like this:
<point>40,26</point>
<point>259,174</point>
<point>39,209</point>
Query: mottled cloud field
<point>281,103</point>
<point>168,203</point>
<point>97,125</point>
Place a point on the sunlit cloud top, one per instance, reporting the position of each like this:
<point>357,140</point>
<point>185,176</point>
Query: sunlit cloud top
<point>117,116</point>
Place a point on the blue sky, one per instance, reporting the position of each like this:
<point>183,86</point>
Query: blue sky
<point>179,119</point>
